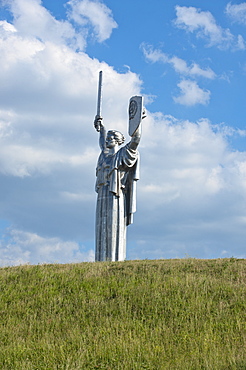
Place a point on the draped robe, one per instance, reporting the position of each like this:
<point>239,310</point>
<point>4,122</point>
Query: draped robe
<point>116,201</point>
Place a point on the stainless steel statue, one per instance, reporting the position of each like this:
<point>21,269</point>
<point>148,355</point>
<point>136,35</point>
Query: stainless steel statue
<point>117,172</point>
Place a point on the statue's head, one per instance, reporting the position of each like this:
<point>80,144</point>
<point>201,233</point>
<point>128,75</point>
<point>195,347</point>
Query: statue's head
<point>114,138</point>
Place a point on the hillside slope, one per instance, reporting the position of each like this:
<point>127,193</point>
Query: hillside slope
<point>160,314</point>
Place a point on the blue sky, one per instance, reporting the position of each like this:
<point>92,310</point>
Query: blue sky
<point>187,58</point>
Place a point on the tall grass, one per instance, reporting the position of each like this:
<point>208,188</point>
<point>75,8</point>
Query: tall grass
<point>162,314</point>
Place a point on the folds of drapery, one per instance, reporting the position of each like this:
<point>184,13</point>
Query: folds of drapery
<point>116,201</point>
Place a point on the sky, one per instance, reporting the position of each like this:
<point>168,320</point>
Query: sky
<point>187,59</point>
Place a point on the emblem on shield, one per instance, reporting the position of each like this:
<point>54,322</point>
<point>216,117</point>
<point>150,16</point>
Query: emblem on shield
<point>133,107</point>
<point>135,113</point>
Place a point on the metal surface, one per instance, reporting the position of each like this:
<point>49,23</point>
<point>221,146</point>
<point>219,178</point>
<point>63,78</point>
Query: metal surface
<point>99,97</point>
<point>135,113</point>
<point>117,173</point>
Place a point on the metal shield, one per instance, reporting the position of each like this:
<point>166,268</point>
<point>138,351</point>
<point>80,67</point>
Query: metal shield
<point>135,113</point>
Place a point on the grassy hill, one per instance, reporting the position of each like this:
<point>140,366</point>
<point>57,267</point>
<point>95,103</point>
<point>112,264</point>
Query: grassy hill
<point>160,314</point>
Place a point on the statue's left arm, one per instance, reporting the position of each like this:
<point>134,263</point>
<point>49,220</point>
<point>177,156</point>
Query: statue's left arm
<point>135,140</point>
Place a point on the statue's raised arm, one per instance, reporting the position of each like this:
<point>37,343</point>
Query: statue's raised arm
<point>99,126</point>
<point>135,140</point>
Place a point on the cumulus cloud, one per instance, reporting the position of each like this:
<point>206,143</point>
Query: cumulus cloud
<point>154,55</point>
<point>94,13</point>
<point>191,94</point>
<point>31,19</point>
<point>86,17</point>
<point>204,25</point>
<point>180,66</point>
<point>241,44</point>
<point>237,12</point>
<point>195,186</point>
<point>18,247</point>
<point>194,69</point>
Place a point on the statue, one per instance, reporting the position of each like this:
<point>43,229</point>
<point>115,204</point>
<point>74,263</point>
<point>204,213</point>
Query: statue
<point>117,172</point>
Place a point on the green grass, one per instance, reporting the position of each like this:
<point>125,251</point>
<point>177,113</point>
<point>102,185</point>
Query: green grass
<point>161,314</point>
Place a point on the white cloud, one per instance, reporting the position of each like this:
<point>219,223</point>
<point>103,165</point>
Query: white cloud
<point>194,186</point>
<point>180,66</point>
<point>241,44</point>
<point>215,181</point>
<point>154,55</point>
<point>16,48</point>
<point>194,69</point>
<point>204,24</point>
<point>94,13</point>
<point>191,94</point>
<point>18,247</point>
<point>237,12</point>
<point>33,20</point>
<point>6,27</point>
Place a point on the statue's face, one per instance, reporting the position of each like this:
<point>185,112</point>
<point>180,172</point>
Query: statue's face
<point>111,142</point>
